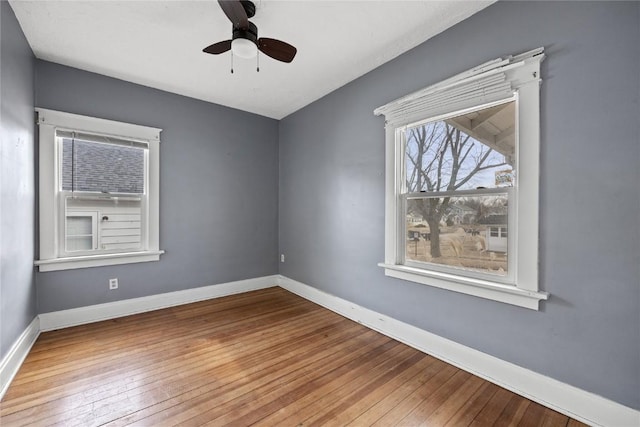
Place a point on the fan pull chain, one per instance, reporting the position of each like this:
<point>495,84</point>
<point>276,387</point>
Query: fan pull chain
<point>231,62</point>
<point>258,62</point>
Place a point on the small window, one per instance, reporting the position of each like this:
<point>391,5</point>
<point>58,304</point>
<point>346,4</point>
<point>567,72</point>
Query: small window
<point>461,169</point>
<point>98,192</point>
<point>80,232</point>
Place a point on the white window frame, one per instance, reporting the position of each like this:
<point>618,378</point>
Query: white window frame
<point>52,255</point>
<point>519,78</point>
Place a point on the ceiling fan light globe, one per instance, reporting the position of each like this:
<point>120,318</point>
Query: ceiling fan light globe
<point>244,48</point>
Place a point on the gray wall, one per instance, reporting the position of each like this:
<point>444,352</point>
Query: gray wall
<point>332,194</point>
<point>17,191</point>
<point>220,195</point>
<point>218,190</point>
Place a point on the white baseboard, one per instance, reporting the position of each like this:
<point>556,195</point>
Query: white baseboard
<point>12,361</point>
<point>569,400</point>
<point>574,402</point>
<point>95,313</point>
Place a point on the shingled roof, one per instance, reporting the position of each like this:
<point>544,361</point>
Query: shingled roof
<point>493,220</point>
<point>105,168</point>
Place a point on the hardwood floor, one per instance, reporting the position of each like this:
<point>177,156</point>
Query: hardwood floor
<point>266,358</point>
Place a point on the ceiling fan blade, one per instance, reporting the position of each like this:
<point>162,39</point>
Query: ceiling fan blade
<point>218,48</point>
<point>277,49</point>
<point>236,13</point>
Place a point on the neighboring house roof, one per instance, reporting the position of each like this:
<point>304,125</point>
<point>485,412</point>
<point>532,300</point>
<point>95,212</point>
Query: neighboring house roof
<point>493,220</point>
<point>493,127</point>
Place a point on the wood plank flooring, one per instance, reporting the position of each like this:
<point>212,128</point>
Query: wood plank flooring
<point>264,358</point>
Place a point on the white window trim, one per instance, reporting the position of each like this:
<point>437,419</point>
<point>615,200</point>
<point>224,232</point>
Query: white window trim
<point>523,74</point>
<point>51,259</point>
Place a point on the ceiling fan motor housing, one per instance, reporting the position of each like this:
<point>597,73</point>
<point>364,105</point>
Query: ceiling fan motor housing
<point>250,33</point>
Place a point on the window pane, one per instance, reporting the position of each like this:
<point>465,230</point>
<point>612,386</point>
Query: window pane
<point>79,233</point>
<point>462,232</point>
<point>474,150</point>
<point>79,243</point>
<point>79,225</point>
<point>96,167</point>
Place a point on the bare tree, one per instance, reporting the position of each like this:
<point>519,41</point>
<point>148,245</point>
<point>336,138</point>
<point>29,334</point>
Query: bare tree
<point>439,157</point>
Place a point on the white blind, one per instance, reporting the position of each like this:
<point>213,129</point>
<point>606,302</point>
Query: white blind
<point>482,91</point>
<point>103,139</point>
<point>487,83</point>
<point>464,95</point>
<point>101,164</point>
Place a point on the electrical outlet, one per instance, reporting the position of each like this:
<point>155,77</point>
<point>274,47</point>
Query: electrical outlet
<point>113,284</point>
<point>281,257</point>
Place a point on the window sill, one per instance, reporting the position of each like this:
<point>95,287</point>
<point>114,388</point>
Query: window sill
<point>70,263</point>
<point>480,288</point>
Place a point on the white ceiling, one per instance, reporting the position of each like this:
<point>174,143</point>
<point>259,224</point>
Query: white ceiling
<point>159,44</point>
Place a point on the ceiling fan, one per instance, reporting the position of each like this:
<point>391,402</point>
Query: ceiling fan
<point>245,42</point>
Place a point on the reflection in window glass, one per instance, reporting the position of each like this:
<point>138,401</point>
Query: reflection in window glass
<point>468,235</point>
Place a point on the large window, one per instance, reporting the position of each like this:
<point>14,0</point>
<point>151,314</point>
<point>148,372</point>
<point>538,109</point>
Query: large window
<point>462,182</point>
<point>98,192</point>
<point>102,178</point>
